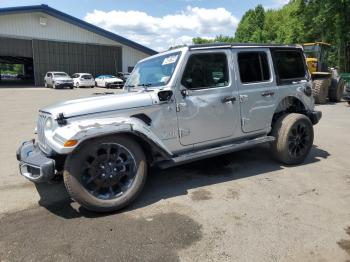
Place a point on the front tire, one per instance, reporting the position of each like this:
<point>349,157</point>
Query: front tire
<point>106,174</point>
<point>294,138</point>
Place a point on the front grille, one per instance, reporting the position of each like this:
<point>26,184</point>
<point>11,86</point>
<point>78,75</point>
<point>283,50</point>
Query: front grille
<point>41,131</point>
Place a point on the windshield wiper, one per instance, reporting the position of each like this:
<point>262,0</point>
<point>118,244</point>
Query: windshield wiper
<point>145,85</point>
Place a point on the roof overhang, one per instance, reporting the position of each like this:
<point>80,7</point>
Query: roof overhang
<point>77,22</point>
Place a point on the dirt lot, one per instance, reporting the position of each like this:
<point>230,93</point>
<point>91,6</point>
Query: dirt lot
<point>238,207</point>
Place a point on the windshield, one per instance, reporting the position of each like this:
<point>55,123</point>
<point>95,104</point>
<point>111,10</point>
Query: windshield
<point>109,76</point>
<point>60,74</point>
<point>154,72</point>
<point>312,51</point>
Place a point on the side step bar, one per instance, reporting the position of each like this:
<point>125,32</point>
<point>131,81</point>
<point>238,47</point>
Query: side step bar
<point>211,152</point>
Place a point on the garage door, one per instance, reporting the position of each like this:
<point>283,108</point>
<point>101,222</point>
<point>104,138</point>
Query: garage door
<point>74,58</point>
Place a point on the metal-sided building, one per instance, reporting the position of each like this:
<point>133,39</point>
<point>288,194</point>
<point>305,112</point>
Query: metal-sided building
<point>45,39</point>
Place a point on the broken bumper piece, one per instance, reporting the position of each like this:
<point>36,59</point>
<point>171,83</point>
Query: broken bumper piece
<point>34,164</point>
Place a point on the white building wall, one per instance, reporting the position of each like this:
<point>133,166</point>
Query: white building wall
<point>27,25</point>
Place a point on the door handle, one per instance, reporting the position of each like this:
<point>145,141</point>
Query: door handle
<point>267,94</point>
<point>229,99</point>
<point>180,106</point>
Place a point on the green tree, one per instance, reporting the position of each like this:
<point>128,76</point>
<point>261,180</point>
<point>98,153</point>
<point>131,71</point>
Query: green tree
<point>302,21</point>
<point>199,40</point>
<point>251,27</point>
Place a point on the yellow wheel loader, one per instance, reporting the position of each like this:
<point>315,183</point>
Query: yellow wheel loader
<point>327,82</point>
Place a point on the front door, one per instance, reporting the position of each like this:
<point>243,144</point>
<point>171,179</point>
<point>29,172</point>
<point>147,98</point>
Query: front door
<point>207,106</point>
<point>257,88</point>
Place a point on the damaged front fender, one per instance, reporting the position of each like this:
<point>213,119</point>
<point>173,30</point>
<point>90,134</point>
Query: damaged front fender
<point>82,130</point>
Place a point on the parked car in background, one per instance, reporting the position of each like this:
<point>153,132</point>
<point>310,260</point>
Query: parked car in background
<point>58,80</point>
<point>123,76</point>
<point>109,81</point>
<point>83,80</point>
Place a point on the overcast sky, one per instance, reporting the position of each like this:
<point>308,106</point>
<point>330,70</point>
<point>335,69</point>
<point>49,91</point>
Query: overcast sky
<point>158,24</point>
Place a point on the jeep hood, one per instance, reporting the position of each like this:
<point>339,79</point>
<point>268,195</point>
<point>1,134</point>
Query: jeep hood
<point>99,104</point>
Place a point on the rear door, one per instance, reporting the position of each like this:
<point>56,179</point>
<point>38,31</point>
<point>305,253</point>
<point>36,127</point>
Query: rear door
<point>257,88</point>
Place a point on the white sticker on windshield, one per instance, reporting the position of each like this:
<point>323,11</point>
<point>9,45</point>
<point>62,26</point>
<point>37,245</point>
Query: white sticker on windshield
<point>170,60</point>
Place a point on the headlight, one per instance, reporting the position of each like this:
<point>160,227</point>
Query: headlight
<point>48,124</point>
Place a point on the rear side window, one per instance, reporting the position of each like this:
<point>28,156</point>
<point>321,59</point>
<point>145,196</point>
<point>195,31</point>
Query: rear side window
<point>206,71</point>
<point>290,65</point>
<point>253,67</point>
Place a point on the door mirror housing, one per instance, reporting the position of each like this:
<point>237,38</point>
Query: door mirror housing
<point>165,95</point>
<point>184,93</point>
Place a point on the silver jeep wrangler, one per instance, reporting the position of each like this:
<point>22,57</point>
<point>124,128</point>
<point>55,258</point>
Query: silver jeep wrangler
<point>178,106</point>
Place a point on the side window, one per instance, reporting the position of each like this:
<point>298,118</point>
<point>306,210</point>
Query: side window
<point>253,67</point>
<point>206,71</point>
<point>290,65</point>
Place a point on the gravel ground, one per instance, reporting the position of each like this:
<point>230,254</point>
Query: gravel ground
<point>238,207</point>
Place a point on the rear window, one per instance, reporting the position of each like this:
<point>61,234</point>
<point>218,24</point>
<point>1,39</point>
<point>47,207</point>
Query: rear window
<point>290,65</point>
<point>60,74</point>
<point>253,67</point>
<point>86,76</point>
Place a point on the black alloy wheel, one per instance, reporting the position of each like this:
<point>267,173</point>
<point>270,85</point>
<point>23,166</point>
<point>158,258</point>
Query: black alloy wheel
<point>109,172</point>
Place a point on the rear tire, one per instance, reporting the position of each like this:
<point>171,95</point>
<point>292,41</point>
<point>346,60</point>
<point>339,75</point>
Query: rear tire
<point>113,164</point>
<point>294,138</point>
<point>336,90</point>
<point>320,90</point>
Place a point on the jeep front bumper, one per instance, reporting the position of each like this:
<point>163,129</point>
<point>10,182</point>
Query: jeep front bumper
<point>34,164</point>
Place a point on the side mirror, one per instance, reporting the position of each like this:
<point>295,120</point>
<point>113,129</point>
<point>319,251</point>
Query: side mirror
<point>184,93</point>
<point>165,96</point>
